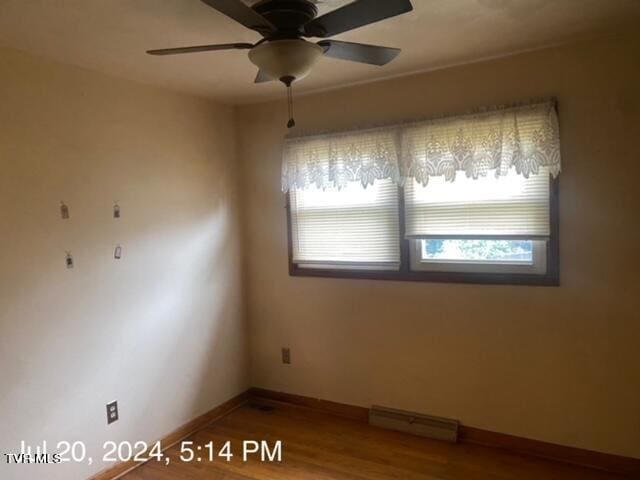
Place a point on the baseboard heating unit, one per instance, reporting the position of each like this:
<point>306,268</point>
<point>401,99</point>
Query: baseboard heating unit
<point>424,425</point>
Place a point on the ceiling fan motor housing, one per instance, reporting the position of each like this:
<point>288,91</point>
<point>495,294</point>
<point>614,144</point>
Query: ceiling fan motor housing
<point>288,16</point>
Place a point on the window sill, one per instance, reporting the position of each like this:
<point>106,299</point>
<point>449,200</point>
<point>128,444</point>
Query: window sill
<point>546,280</point>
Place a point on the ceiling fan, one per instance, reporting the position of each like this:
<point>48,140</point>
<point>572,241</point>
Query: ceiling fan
<point>283,53</point>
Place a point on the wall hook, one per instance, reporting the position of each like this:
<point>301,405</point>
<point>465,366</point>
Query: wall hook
<point>64,211</point>
<point>69,260</point>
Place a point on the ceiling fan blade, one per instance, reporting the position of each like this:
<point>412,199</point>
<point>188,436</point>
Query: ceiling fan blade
<point>354,15</point>
<point>243,14</point>
<point>359,52</point>
<point>261,77</point>
<point>200,48</point>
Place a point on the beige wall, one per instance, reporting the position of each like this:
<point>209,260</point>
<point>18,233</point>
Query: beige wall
<point>162,330</point>
<point>554,364</point>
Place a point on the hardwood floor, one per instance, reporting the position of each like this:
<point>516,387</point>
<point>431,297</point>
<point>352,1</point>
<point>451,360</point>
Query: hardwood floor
<point>321,446</point>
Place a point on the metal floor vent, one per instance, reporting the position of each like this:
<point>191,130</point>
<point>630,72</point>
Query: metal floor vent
<point>424,425</point>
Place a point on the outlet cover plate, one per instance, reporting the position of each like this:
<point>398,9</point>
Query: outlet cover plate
<point>112,412</point>
<point>286,356</point>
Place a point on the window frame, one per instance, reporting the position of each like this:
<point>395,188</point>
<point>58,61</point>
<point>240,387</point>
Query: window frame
<point>550,278</point>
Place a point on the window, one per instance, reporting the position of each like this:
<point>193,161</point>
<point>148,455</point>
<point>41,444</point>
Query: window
<point>347,228</point>
<point>489,225</point>
<point>392,203</point>
<point>355,232</point>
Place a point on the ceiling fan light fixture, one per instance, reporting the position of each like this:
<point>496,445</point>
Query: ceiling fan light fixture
<point>286,59</point>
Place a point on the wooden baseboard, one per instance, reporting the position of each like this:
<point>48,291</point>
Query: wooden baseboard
<point>576,456</point>
<point>536,448</point>
<point>178,435</point>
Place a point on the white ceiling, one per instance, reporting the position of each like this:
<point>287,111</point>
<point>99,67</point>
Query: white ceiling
<point>112,36</point>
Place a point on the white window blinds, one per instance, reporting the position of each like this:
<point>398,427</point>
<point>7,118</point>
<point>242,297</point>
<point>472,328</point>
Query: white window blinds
<point>352,226</point>
<point>492,206</point>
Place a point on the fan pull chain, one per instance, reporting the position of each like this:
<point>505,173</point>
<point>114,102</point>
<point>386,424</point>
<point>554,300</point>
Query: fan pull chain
<point>292,122</point>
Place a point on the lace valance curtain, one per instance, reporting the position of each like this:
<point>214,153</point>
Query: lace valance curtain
<point>334,160</point>
<point>525,138</point>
